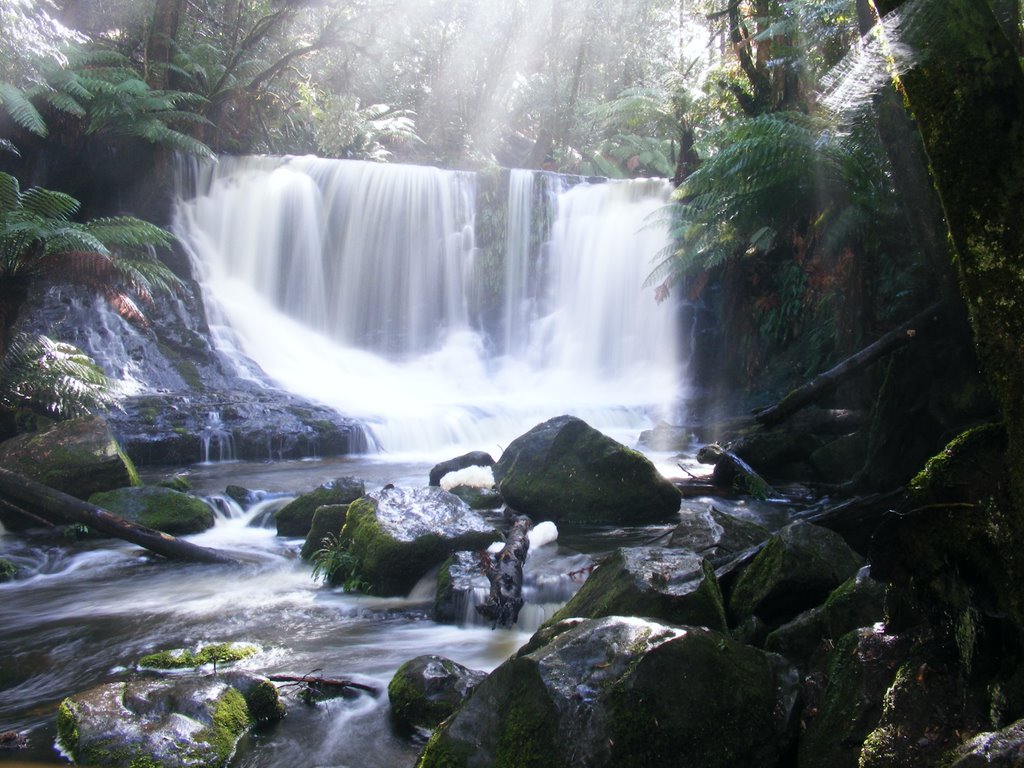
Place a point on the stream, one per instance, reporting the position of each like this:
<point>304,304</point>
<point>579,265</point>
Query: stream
<point>90,609</point>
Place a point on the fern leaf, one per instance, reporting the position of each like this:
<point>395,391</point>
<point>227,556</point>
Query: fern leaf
<point>21,110</point>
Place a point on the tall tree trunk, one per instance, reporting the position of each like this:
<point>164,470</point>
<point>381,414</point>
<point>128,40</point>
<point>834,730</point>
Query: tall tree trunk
<point>966,92</point>
<point>162,34</point>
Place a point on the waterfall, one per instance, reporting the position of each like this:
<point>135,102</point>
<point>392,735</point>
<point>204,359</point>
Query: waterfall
<point>352,283</point>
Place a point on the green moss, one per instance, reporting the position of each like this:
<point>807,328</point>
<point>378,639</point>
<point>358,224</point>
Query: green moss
<point>8,570</point>
<point>230,718</point>
<point>442,752</point>
<point>67,727</point>
<point>264,702</point>
<point>157,507</point>
<point>965,463</point>
<point>296,517</point>
<point>327,521</point>
<point>182,658</point>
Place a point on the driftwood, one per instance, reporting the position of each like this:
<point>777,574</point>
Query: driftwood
<point>316,687</point>
<point>827,381</point>
<point>59,508</point>
<point>505,573</point>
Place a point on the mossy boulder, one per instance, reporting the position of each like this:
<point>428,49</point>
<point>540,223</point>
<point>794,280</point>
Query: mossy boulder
<point>844,706</point>
<point>156,507</point>
<point>565,470</point>
<point>624,691</point>
<point>328,520</point>
<point>8,570</point>
<point>395,535</point>
<point>797,569</point>
<point>670,586</point>
<point>79,457</point>
<point>427,689</point>
<point>707,531</point>
<point>857,602</point>
<point>209,653</point>
<point>165,722</point>
<point>296,517</point>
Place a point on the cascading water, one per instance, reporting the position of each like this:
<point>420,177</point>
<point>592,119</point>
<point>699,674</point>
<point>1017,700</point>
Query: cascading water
<point>351,283</point>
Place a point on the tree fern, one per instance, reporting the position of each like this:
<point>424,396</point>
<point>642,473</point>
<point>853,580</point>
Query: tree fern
<point>51,378</point>
<point>21,109</point>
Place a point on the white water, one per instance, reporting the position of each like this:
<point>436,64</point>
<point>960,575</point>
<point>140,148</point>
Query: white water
<point>349,283</point>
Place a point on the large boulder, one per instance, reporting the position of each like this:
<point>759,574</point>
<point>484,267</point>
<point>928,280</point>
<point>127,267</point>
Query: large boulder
<point>993,749</point>
<point>796,570</point>
<point>845,705</point>
<point>175,722</point>
<point>79,457</point>
<point>395,535</point>
<point>165,510</point>
<point>565,470</point>
<point>624,691</point>
<point>296,517</point>
<point>666,585</point>
<point>427,689</point>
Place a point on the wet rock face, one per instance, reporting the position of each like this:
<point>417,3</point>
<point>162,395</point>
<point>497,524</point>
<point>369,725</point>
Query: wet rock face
<point>395,535</point>
<point>172,723</point>
<point>663,584</point>
<point>427,689</point>
<point>565,470</point>
<point>595,694</point>
<point>711,533</point>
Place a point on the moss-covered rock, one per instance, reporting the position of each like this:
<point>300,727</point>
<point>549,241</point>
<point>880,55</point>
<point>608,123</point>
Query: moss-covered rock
<point>857,602</point>
<point>844,707</point>
<point>596,692</point>
<point>670,586</point>
<point>79,457</point>
<point>296,517</point>
<point>8,570</point>
<point>565,470</point>
<point>396,535</point>
<point>427,689</point>
<point>164,723</point>
<point>797,569</point>
<point>328,520</point>
<point>156,507</point>
<point>185,658</point>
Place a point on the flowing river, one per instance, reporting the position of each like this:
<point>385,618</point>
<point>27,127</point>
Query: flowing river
<point>87,611</point>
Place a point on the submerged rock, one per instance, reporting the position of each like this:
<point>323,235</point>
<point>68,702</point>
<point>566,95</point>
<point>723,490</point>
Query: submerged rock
<point>460,575</point>
<point>395,535</point>
<point>156,507</point>
<point>296,517</point>
<point>666,585</point>
<point>797,569</point>
<point>565,470</point>
<point>624,691</point>
<point>169,722</point>
<point>427,689</point>
<point>79,457</point>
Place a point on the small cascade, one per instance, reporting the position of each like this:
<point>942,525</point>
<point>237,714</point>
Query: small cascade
<point>217,441</point>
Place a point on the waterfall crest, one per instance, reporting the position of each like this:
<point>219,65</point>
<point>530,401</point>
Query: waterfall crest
<point>358,284</point>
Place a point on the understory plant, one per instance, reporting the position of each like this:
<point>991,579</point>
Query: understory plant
<point>334,564</point>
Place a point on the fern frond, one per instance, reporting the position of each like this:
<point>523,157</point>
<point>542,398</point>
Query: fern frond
<point>21,110</point>
<point>49,203</point>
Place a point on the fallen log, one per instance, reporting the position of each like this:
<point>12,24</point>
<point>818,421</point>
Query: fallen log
<point>505,573</point>
<point>317,687</point>
<point>827,381</point>
<point>59,508</point>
